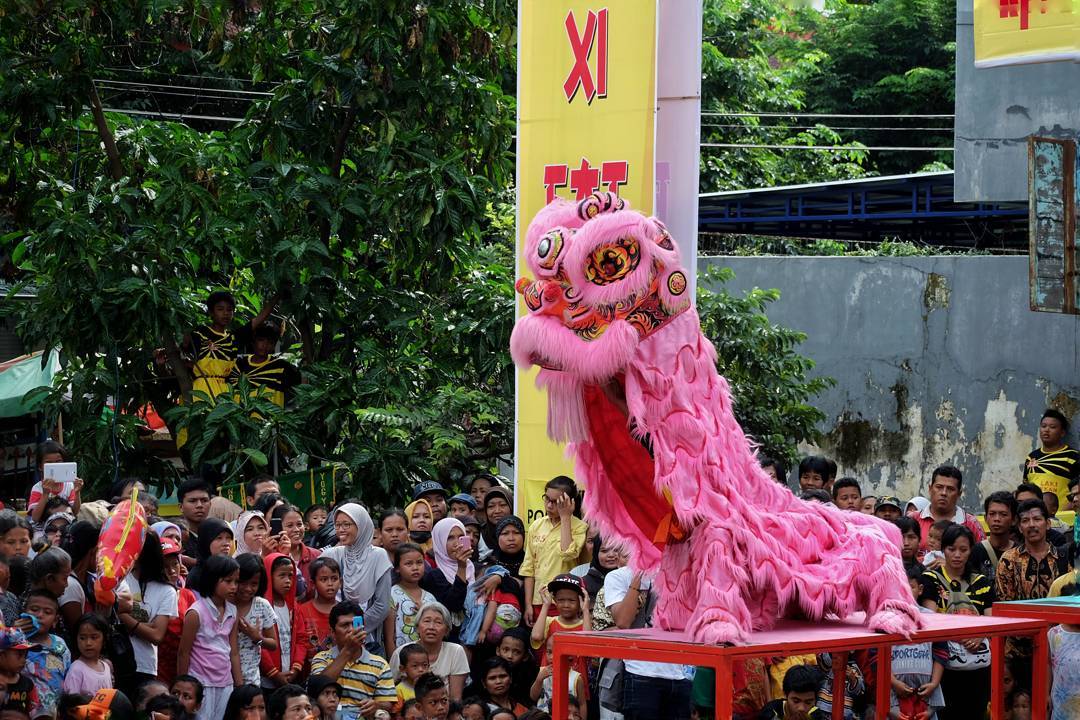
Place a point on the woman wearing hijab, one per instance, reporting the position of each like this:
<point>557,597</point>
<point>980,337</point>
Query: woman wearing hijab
<point>917,504</point>
<point>448,580</point>
<point>453,561</point>
<point>605,558</point>
<point>498,504</point>
<point>365,569</point>
<point>165,529</point>
<point>419,517</point>
<point>510,552</point>
<point>215,538</point>
<point>251,529</point>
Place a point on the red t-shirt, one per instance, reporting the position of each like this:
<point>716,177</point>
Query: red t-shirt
<point>170,644</point>
<point>310,634</point>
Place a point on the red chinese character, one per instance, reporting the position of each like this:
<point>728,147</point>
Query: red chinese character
<point>581,45</point>
<point>554,178</point>
<point>613,174</point>
<point>584,180</point>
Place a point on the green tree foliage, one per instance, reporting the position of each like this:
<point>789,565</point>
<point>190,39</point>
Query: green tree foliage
<point>364,193</point>
<point>359,189</point>
<point>890,57</point>
<point>769,379</point>
<point>884,57</point>
<point>758,57</point>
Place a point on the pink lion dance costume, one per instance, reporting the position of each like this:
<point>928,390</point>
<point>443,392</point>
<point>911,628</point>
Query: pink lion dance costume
<point>633,387</point>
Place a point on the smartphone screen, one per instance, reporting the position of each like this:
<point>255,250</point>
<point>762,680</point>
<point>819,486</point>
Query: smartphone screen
<point>358,622</point>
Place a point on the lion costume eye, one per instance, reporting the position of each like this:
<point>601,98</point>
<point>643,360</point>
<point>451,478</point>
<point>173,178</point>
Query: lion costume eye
<point>611,263</point>
<point>549,248</point>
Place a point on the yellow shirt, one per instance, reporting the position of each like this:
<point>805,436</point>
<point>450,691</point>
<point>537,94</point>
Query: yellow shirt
<point>544,558</point>
<point>1058,585</point>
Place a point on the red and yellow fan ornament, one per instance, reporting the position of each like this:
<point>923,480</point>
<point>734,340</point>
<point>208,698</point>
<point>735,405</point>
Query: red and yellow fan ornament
<point>120,543</point>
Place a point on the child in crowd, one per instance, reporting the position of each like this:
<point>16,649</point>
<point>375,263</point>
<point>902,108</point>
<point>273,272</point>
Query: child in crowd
<point>414,663</point>
<point>147,691</point>
<point>189,690</point>
<point>9,602</point>
<point>854,686</point>
<point>540,692</point>
<point>474,708</point>
<point>933,556</point>
<point>813,473</point>
<point>1018,703</point>
<point>553,543</point>
<point>174,571</point>
<point>47,663</point>
<point>278,667</point>
<point>411,711</point>
<point>311,620</point>
<point>90,672</point>
<point>514,649</point>
<point>406,597</point>
<point>166,707</point>
<point>18,693</point>
<point>567,593</point>
<point>314,518</point>
<point>209,644</point>
<point>800,696</point>
<point>256,620</point>
<point>911,537</point>
<point>462,506</point>
<point>846,493</point>
<point>325,695</point>
<point>917,669</point>
<point>1064,643</point>
<point>432,697</point>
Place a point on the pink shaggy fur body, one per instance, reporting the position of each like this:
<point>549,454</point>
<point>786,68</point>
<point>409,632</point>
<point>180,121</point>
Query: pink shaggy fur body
<point>753,552</point>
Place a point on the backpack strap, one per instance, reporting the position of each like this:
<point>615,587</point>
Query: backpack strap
<point>990,552</point>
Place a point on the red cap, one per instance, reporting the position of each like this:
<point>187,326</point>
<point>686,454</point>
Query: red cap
<point>169,546</point>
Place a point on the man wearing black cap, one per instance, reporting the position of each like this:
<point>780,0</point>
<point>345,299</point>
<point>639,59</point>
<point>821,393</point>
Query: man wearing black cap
<point>436,497</point>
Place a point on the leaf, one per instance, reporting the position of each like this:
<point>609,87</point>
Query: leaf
<point>256,456</point>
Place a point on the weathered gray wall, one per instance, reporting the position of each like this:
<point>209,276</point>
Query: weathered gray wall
<point>997,109</point>
<point>937,359</point>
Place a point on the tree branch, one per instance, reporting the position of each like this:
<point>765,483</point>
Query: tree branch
<point>116,168</point>
<point>176,364</point>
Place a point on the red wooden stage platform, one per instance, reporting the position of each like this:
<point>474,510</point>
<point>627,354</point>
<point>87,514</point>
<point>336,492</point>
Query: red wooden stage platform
<point>799,638</point>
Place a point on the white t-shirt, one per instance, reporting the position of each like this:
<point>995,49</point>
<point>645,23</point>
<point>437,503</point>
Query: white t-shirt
<point>73,593</point>
<point>452,661</point>
<point>616,587</point>
<point>159,600</point>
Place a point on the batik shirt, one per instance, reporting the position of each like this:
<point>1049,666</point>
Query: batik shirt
<point>47,668</point>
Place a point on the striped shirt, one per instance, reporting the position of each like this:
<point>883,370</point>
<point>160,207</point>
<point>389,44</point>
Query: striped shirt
<point>366,678</point>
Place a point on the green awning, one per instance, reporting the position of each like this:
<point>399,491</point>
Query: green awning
<point>20,376</point>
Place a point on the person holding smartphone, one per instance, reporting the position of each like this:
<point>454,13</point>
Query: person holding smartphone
<point>367,685</point>
<point>451,548</point>
<point>365,569</point>
<point>50,452</point>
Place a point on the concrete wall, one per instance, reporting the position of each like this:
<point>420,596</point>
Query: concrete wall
<point>997,109</point>
<point>937,360</point>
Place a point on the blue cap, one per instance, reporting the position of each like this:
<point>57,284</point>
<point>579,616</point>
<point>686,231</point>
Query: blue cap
<point>464,498</point>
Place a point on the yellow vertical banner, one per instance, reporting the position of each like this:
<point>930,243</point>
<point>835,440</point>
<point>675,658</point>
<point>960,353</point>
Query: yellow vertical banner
<point>1012,32</point>
<point>586,118</point>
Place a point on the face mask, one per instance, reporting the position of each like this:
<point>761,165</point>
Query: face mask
<point>419,536</point>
